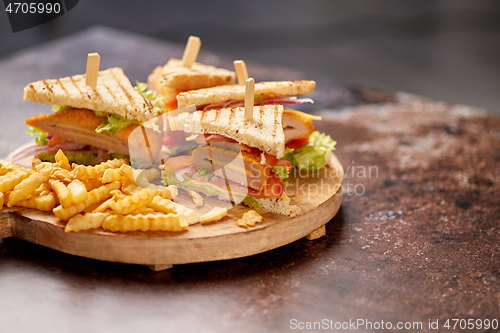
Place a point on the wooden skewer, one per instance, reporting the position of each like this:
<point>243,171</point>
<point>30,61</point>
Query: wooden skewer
<point>191,51</point>
<point>249,98</point>
<point>241,71</point>
<point>93,60</point>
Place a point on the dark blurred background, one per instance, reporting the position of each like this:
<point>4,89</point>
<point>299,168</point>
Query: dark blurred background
<point>445,49</point>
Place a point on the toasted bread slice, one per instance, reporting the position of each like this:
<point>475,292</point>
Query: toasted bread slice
<point>114,94</point>
<point>176,77</point>
<point>236,92</point>
<point>273,205</point>
<point>78,125</point>
<point>264,132</point>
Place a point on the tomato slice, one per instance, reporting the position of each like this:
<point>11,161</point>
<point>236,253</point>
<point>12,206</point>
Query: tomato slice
<point>297,143</point>
<point>177,163</point>
<point>171,104</point>
<point>285,163</point>
<point>273,189</point>
<point>209,138</point>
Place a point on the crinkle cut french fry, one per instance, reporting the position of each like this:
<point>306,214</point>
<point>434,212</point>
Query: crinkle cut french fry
<point>127,171</point>
<point>99,194</point>
<point>62,192</point>
<point>78,191</point>
<point>191,215</point>
<point>170,192</point>
<point>133,202</point>
<point>26,187</point>
<point>144,177</point>
<point>44,203</point>
<point>43,166</point>
<point>215,214</point>
<point>141,180</point>
<point>6,167</point>
<point>112,175</point>
<point>63,175</point>
<point>92,183</point>
<point>42,190</point>
<point>167,206</point>
<point>85,172</point>
<point>150,222</point>
<point>85,222</point>
<point>62,160</point>
<point>11,179</point>
<point>151,174</point>
<point>102,207</point>
<point>129,187</point>
<point>36,161</point>
<point>143,211</point>
<point>162,205</point>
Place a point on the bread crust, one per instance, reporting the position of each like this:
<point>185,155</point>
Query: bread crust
<point>177,77</point>
<point>220,94</point>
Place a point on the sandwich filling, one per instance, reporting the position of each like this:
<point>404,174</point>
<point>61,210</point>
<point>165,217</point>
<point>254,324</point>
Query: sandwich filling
<point>224,165</point>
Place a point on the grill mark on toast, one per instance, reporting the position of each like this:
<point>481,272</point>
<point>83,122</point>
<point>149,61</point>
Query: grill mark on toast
<point>62,86</point>
<point>260,123</point>
<point>232,113</point>
<point>275,123</point>
<point>129,97</point>
<point>111,94</point>
<point>47,86</point>
<point>77,88</point>
<point>217,116</point>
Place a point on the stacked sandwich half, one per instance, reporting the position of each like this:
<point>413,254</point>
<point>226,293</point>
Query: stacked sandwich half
<point>245,160</point>
<point>92,125</point>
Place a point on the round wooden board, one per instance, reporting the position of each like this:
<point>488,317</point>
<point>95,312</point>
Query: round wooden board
<point>319,196</point>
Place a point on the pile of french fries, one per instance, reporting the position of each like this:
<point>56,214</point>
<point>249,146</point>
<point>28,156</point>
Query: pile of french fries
<point>111,196</point>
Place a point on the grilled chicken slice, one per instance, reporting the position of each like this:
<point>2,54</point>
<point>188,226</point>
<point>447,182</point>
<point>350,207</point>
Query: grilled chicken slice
<point>78,125</point>
<point>296,125</point>
<point>233,164</point>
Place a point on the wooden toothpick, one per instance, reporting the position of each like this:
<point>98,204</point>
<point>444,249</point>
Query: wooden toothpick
<point>93,60</point>
<point>249,98</point>
<point>191,51</point>
<point>241,71</point>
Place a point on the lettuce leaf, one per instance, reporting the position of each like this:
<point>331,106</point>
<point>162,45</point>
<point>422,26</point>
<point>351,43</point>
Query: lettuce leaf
<point>84,158</point>
<point>113,123</point>
<point>252,203</point>
<point>168,178</point>
<point>312,155</point>
<point>157,100</point>
<point>206,173</point>
<point>41,136</point>
<point>59,108</point>
<point>282,171</point>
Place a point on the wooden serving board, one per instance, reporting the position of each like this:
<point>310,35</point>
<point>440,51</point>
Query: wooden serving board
<point>319,196</point>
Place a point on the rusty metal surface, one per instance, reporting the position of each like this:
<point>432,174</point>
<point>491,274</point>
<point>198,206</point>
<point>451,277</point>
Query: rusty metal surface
<point>417,237</point>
